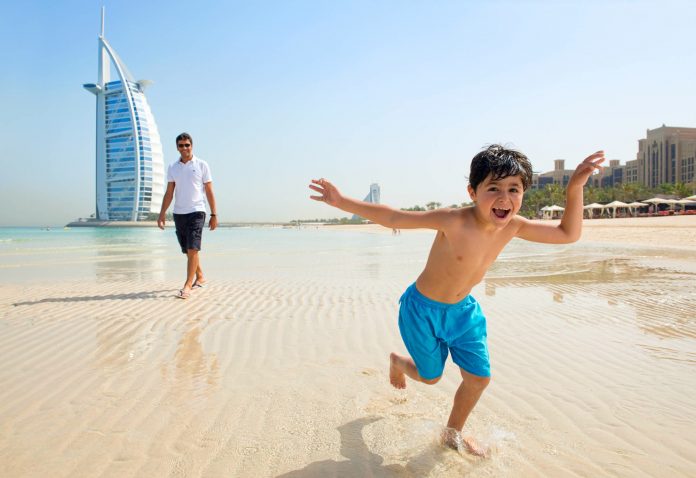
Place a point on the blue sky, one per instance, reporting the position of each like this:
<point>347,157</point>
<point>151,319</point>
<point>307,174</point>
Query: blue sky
<point>402,93</point>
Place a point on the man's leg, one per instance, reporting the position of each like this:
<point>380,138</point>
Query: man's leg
<point>191,268</point>
<point>465,400</point>
<point>200,280</point>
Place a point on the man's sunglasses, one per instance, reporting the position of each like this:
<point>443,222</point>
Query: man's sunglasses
<point>182,145</point>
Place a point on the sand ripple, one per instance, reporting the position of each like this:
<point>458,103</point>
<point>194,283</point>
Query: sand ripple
<point>593,376</point>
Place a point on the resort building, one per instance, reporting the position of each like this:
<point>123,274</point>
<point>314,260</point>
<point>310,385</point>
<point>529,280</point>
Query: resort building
<point>665,155</point>
<point>559,175</point>
<point>129,160</point>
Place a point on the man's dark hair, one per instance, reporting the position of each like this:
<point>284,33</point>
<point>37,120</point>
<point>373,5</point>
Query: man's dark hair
<point>184,136</point>
<point>500,162</point>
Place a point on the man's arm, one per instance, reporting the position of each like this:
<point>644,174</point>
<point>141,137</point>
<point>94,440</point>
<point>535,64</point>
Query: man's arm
<point>571,224</point>
<point>211,202</point>
<point>379,213</point>
<point>166,201</point>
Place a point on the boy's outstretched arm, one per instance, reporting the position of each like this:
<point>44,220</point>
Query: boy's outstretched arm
<point>571,224</point>
<point>378,213</point>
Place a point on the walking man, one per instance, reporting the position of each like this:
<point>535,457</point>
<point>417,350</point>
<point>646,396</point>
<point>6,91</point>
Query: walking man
<point>187,181</point>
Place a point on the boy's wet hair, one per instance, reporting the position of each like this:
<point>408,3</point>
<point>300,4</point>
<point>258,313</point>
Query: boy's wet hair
<point>500,162</point>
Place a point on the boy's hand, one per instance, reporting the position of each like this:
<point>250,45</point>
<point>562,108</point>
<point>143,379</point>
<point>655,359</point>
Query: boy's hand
<point>587,167</point>
<point>329,194</point>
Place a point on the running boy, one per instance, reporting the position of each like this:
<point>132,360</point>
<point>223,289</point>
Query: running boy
<point>437,315</point>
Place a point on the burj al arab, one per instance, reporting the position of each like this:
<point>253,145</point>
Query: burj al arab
<point>129,160</point>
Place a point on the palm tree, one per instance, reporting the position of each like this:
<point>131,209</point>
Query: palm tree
<point>682,190</point>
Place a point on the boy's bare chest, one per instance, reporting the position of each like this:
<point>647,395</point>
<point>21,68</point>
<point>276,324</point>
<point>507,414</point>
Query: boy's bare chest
<point>471,250</point>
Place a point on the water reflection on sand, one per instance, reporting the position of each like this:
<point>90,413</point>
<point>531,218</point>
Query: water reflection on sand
<point>654,290</point>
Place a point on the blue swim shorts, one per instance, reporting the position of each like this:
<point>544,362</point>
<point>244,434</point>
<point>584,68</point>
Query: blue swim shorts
<point>431,329</point>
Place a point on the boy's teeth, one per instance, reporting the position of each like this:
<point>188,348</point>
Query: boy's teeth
<point>500,212</point>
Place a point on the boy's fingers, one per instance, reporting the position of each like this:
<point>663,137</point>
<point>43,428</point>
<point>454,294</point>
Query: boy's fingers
<point>598,154</point>
<point>317,198</point>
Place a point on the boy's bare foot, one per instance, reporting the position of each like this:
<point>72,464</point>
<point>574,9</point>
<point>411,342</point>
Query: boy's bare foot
<point>453,439</point>
<point>396,372</point>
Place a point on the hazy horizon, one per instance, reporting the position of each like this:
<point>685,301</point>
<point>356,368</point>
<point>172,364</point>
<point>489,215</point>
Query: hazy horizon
<point>399,93</point>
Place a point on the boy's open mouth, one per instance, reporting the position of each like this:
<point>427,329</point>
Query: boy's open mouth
<point>501,213</point>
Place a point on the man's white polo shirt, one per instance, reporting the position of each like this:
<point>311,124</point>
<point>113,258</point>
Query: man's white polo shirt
<point>189,179</point>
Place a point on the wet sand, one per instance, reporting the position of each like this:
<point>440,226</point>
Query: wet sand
<point>285,374</point>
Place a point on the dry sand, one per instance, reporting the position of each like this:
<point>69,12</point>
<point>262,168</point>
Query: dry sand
<point>594,374</point>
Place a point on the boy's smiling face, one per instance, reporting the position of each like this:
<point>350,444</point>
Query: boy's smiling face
<point>498,200</point>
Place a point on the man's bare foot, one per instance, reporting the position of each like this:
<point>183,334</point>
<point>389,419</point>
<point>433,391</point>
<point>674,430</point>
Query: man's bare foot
<point>453,439</point>
<point>183,294</point>
<point>396,372</point>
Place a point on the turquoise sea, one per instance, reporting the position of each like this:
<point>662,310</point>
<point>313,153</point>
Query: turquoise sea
<point>112,254</point>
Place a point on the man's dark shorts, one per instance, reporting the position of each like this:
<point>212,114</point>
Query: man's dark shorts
<point>189,229</point>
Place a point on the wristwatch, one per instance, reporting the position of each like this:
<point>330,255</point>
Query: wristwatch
<point>213,215</point>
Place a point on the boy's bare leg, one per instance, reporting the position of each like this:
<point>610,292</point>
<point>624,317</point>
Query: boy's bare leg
<point>400,366</point>
<point>465,399</point>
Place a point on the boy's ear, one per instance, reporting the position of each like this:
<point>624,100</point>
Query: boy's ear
<point>472,193</point>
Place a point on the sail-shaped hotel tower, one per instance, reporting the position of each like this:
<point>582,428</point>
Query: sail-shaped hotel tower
<point>129,160</point>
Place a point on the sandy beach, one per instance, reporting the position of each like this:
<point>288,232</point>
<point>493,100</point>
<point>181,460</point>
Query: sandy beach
<point>278,368</point>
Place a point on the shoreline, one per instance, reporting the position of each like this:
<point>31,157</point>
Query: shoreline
<point>128,224</point>
<point>660,231</point>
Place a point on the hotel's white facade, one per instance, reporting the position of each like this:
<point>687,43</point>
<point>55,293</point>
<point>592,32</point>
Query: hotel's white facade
<point>129,160</point>
<point>372,197</point>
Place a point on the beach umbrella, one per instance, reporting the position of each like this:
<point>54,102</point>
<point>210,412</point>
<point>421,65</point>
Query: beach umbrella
<point>656,201</point>
<point>671,202</point>
<point>594,206</point>
<point>614,205</point>
<point>635,205</point>
<point>685,202</point>
<point>551,209</point>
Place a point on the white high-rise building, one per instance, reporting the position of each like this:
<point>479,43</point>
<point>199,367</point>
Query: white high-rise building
<point>372,197</point>
<point>129,159</point>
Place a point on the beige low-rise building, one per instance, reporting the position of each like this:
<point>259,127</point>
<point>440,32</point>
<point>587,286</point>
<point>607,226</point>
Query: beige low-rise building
<point>559,175</point>
<point>665,155</point>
